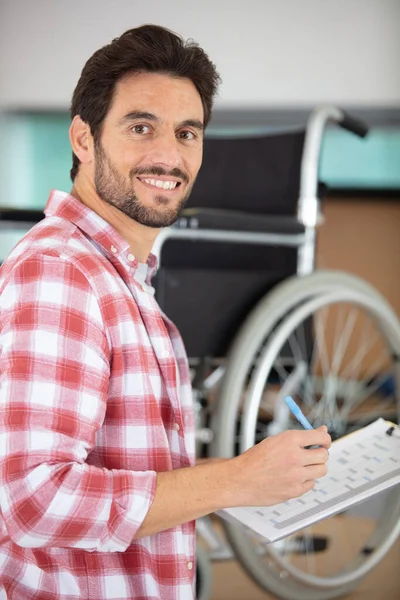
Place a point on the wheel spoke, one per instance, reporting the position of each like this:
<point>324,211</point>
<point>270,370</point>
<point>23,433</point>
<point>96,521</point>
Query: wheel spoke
<point>322,408</point>
<point>352,372</point>
<point>340,348</point>
<point>355,401</point>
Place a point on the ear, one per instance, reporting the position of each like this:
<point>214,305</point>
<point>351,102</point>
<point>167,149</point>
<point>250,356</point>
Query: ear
<point>81,140</point>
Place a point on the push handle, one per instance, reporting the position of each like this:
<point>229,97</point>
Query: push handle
<point>353,124</point>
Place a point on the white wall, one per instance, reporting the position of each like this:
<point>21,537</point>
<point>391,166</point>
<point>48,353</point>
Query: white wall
<point>282,52</point>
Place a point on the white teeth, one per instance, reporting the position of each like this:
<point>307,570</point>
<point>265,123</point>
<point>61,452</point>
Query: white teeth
<point>165,185</point>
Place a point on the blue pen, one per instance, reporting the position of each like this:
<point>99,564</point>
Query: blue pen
<point>300,417</point>
<point>297,413</point>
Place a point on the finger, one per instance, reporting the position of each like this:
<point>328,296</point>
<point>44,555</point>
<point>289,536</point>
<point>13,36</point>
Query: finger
<point>315,437</point>
<point>315,457</point>
<point>307,486</point>
<point>328,438</point>
<point>315,471</point>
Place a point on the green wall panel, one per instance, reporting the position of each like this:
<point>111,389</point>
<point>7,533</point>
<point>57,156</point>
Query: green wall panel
<point>51,155</point>
<point>351,162</point>
<point>36,156</point>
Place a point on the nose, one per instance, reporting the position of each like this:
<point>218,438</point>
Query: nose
<point>166,151</point>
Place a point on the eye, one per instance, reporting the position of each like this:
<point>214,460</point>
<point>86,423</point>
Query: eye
<point>140,129</point>
<point>186,135</point>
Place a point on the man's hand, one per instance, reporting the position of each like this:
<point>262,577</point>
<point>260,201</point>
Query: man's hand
<point>280,467</point>
<point>276,469</point>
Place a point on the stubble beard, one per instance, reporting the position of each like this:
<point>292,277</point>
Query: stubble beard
<point>112,188</point>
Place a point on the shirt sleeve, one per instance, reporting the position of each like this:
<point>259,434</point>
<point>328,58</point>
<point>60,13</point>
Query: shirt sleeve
<point>54,376</point>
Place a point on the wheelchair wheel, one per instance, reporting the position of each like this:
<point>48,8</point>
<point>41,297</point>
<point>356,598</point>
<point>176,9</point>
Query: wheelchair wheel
<point>337,352</point>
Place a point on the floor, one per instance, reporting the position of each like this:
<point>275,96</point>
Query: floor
<point>230,582</point>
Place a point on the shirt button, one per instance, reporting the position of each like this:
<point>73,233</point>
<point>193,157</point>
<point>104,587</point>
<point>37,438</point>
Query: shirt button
<point>144,289</point>
<point>190,565</point>
<point>177,426</point>
<point>131,257</point>
<point>167,353</point>
<point>114,249</point>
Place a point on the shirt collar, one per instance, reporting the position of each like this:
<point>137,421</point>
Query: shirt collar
<point>63,205</point>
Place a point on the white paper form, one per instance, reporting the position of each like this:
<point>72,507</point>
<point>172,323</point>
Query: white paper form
<point>360,465</point>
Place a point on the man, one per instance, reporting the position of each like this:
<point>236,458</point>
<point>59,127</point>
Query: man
<point>99,485</point>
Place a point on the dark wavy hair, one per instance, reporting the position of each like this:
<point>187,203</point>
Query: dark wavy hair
<point>149,48</point>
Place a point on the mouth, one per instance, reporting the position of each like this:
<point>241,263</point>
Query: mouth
<point>166,185</point>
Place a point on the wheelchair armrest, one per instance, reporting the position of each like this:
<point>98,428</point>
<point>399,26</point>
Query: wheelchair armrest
<point>213,218</point>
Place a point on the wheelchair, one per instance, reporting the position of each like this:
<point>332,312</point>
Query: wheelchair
<point>237,276</point>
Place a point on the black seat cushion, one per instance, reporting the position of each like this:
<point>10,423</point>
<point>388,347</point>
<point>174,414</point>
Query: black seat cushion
<point>258,174</point>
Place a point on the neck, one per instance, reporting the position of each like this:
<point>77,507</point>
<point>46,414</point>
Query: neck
<point>139,237</point>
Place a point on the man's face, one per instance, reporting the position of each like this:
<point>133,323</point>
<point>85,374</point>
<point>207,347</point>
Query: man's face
<point>150,149</point>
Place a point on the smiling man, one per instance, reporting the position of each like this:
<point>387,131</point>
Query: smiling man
<point>147,158</point>
<point>99,488</point>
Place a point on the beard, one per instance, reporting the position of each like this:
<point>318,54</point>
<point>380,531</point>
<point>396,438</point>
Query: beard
<point>114,189</point>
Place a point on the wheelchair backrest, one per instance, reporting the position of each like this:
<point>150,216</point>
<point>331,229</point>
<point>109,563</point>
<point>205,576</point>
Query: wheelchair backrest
<point>259,174</point>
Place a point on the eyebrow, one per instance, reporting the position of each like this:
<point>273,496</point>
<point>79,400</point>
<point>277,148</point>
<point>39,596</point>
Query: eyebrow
<point>135,115</point>
<point>196,123</point>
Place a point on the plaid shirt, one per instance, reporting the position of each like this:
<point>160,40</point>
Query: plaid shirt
<point>95,399</point>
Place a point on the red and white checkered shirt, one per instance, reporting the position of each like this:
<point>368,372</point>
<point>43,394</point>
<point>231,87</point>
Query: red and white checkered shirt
<point>95,399</point>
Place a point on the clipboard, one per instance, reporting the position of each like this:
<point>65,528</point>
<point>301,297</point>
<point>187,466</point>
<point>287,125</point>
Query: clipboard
<point>360,465</point>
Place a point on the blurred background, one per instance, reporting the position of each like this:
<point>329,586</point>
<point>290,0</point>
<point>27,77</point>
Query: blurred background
<point>278,59</point>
